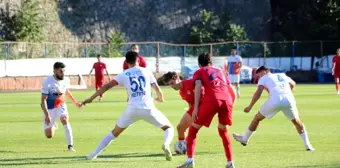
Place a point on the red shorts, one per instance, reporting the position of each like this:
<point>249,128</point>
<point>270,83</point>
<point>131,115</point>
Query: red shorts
<point>207,111</point>
<point>99,84</point>
<point>190,110</point>
<point>337,75</point>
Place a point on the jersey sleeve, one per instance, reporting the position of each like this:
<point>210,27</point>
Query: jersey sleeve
<point>288,79</point>
<point>142,61</point>
<point>197,75</point>
<point>68,83</point>
<point>152,79</point>
<point>333,60</point>
<point>94,65</point>
<point>240,59</point>
<point>104,65</point>
<point>44,89</point>
<point>120,78</point>
<point>261,81</point>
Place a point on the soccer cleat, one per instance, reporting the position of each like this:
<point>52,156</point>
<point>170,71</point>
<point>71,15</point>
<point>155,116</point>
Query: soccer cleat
<point>240,138</point>
<point>90,157</point>
<point>71,149</point>
<point>100,99</point>
<point>310,148</point>
<point>230,165</point>
<point>338,92</point>
<point>187,164</point>
<point>167,152</point>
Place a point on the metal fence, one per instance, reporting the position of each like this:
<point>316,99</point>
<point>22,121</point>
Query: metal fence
<point>278,54</point>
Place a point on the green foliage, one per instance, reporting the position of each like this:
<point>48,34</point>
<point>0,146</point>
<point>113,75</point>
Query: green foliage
<point>25,25</point>
<point>114,44</point>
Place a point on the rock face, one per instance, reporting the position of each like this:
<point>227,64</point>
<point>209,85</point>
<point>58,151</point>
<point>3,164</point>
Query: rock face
<point>143,20</point>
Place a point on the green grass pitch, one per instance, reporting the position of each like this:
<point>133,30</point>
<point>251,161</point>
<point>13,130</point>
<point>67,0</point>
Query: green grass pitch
<point>276,143</point>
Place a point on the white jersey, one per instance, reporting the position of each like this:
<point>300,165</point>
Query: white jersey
<point>138,81</point>
<point>233,64</point>
<point>277,84</point>
<point>55,91</point>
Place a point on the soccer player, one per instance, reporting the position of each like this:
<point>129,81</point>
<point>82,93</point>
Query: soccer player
<point>281,98</point>
<point>99,68</point>
<point>138,81</point>
<point>232,68</point>
<point>54,89</point>
<point>141,61</point>
<point>186,90</point>
<point>218,98</point>
<point>336,70</point>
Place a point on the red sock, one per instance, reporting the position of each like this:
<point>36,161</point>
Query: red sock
<point>226,144</point>
<point>180,139</point>
<point>191,141</point>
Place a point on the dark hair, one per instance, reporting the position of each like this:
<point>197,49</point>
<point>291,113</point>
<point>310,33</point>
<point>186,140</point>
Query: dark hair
<point>133,45</point>
<point>131,57</point>
<point>99,55</point>
<point>59,65</point>
<point>168,76</point>
<point>204,59</point>
<point>261,68</point>
<point>234,48</point>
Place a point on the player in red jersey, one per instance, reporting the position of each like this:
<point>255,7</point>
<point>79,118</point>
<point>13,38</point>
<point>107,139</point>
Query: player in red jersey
<point>336,70</point>
<point>218,98</point>
<point>141,60</point>
<point>99,68</point>
<point>186,90</point>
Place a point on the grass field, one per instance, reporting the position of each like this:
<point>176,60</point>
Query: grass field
<point>276,143</point>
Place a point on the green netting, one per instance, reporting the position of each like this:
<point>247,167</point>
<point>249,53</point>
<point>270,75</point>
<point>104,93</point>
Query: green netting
<point>279,49</point>
<point>223,49</point>
<point>171,51</point>
<point>251,50</point>
<point>195,51</point>
<point>307,49</point>
<point>329,48</point>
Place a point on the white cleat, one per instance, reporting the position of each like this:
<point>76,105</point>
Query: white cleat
<point>167,152</point>
<point>310,148</point>
<point>187,164</point>
<point>338,92</point>
<point>71,149</point>
<point>240,139</point>
<point>90,157</point>
<point>230,165</point>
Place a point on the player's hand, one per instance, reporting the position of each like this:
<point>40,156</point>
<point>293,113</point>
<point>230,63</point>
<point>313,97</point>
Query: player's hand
<point>159,97</point>
<point>247,109</point>
<point>194,114</point>
<point>333,73</point>
<point>79,105</point>
<point>48,120</point>
<point>87,101</point>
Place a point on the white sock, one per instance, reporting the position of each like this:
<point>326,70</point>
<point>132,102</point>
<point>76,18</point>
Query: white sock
<point>247,134</point>
<point>238,90</point>
<point>103,144</point>
<point>190,160</point>
<point>168,136</point>
<point>68,134</point>
<point>305,138</point>
<point>229,163</point>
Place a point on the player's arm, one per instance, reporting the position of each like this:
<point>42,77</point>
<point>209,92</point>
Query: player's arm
<point>226,67</point>
<point>158,92</point>
<point>102,90</point>
<point>197,95</point>
<point>107,73</point>
<point>256,96</point>
<point>333,68</point>
<point>70,97</point>
<point>91,71</point>
<point>44,105</point>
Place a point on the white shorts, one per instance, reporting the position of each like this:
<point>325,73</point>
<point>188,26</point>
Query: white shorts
<point>234,78</point>
<point>133,114</point>
<point>286,104</point>
<point>55,114</point>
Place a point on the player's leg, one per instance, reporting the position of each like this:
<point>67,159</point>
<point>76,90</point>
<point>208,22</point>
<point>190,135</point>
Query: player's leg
<point>206,113</point>
<point>99,84</point>
<point>292,114</point>
<point>269,109</point>
<point>183,125</point>
<point>158,119</point>
<point>225,119</point>
<point>64,118</point>
<point>237,85</point>
<point>50,129</point>
<point>337,85</point>
<point>125,120</point>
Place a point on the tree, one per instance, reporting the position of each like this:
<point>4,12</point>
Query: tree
<point>114,44</point>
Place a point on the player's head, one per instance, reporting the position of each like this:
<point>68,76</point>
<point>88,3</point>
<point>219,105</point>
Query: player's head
<point>131,58</point>
<point>233,51</point>
<point>99,57</point>
<point>204,59</point>
<point>261,71</point>
<point>135,48</point>
<point>173,79</point>
<point>338,52</point>
<point>59,69</point>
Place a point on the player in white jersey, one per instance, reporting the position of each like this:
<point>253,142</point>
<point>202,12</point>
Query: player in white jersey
<point>54,89</point>
<point>232,68</point>
<point>281,98</point>
<point>138,81</point>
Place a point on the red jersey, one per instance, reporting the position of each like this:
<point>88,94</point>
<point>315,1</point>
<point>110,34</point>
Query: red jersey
<point>188,92</point>
<point>99,70</point>
<point>141,62</point>
<point>336,60</point>
<point>214,82</point>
